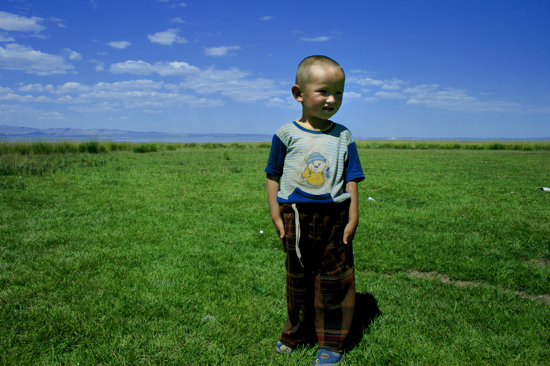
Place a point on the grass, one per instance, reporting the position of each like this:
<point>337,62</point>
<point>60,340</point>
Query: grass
<point>46,147</point>
<point>157,258</point>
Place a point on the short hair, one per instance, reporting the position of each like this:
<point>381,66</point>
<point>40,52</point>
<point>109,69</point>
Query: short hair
<point>304,68</point>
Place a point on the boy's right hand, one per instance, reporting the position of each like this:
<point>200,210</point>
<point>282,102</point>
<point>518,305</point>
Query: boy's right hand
<point>272,187</point>
<point>279,226</point>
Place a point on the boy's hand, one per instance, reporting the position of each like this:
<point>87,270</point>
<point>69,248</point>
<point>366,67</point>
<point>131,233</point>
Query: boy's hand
<point>272,187</point>
<point>353,218</point>
<point>349,232</point>
<point>279,225</point>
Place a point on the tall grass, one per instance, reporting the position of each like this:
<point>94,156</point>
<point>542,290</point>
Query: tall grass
<point>98,147</point>
<point>455,145</point>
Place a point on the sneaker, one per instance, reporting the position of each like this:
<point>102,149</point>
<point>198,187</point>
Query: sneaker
<point>280,347</point>
<point>328,358</point>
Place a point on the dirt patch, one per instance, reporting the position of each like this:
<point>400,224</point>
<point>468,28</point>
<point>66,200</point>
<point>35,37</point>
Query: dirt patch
<point>539,262</point>
<point>447,280</point>
<point>443,278</point>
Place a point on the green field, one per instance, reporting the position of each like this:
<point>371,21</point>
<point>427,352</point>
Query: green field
<point>153,255</point>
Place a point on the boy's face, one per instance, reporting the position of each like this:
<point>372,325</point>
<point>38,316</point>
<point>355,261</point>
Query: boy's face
<point>321,96</point>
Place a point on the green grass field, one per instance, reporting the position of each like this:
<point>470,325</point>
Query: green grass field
<point>154,256</point>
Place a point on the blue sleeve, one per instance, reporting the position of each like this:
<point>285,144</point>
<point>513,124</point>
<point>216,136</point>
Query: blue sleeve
<point>353,169</point>
<point>277,155</point>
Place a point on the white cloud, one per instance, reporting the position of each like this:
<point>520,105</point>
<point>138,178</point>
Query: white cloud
<point>177,20</point>
<point>231,82</point>
<point>22,58</point>
<point>316,39</point>
<point>72,54</point>
<point>4,38</point>
<point>98,65</point>
<point>167,38</point>
<point>36,88</point>
<point>14,22</point>
<point>458,100</point>
<point>131,85</point>
<point>93,4</point>
<point>394,84</point>
<point>221,51</point>
<point>14,112</point>
<point>266,18</point>
<point>390,95</point>
<point>434,96</point>
<point>119,45</point>
<point>365,81</point>
<point>351,95</point>
<point>161,68</point>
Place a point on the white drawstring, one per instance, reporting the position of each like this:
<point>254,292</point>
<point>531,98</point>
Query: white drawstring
<point>298,231</point>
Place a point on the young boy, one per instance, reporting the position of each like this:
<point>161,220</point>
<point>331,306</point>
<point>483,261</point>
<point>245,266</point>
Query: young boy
<point>312,177</point>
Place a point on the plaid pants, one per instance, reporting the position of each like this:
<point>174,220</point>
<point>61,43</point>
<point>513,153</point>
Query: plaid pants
<point>321,285</point>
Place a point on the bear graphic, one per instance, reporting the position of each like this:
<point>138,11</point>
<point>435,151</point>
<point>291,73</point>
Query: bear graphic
<point>317,169</point>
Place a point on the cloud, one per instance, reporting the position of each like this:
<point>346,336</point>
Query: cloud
<point>221,51</point>
<point>195,87</point>
<point>93,4</point>
<point>390,95</point>
<point>14,22</point>
<point>22,58</point>
<point>365,81</point>
<point>167,38</point>
<point>317,39</point>
<point>98,65</point>
<point>72,54</point>
<point>161,68</point>
<point>458,100</point>
<point>36,88</point>
<point>351,95</point>
<point>105,97</point>
<point>4,38</point>
<point>119,45</point>
<point>232,82</point>
<point>434,96</point>
<point>14,112</point>
<point>394,84</point>
<point>266,18</point>
<point>177,20</point>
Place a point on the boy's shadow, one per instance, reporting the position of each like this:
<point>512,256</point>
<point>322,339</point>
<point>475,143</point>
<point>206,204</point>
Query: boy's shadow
<point>366,310</point>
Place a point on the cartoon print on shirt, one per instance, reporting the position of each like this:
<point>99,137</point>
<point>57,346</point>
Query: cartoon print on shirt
<point>317,169</point>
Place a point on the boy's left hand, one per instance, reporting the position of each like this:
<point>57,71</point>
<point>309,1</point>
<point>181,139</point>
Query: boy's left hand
<point>349,232</point>
<point>353,218</point>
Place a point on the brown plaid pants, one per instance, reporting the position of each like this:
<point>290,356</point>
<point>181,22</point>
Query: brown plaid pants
<point>321,286</point>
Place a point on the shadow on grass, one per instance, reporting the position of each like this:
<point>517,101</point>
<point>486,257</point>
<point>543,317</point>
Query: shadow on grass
<point>366,310</point>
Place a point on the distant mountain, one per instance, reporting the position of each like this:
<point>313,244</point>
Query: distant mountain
<point>29,134</point>
<point>14,131</point>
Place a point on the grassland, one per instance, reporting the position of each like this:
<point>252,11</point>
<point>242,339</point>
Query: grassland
<point>152,255</point>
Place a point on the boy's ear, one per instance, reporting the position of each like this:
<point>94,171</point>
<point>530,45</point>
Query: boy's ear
<point>297,93</point>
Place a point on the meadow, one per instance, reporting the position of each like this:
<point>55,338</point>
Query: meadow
<point>165,254</point>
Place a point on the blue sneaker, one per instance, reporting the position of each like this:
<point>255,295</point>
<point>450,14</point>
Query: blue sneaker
<point>280,347</point>
<point>328,358</point>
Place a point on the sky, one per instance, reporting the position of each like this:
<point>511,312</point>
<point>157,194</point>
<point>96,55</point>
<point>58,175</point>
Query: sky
<point>414,68</point>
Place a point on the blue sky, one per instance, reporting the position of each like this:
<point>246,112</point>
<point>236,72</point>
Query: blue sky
<point>415,69</point>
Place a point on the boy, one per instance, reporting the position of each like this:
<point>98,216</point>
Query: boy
<point>311,184</point>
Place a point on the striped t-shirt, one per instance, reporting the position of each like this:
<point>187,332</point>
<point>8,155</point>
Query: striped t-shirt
<point>314,166</point>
